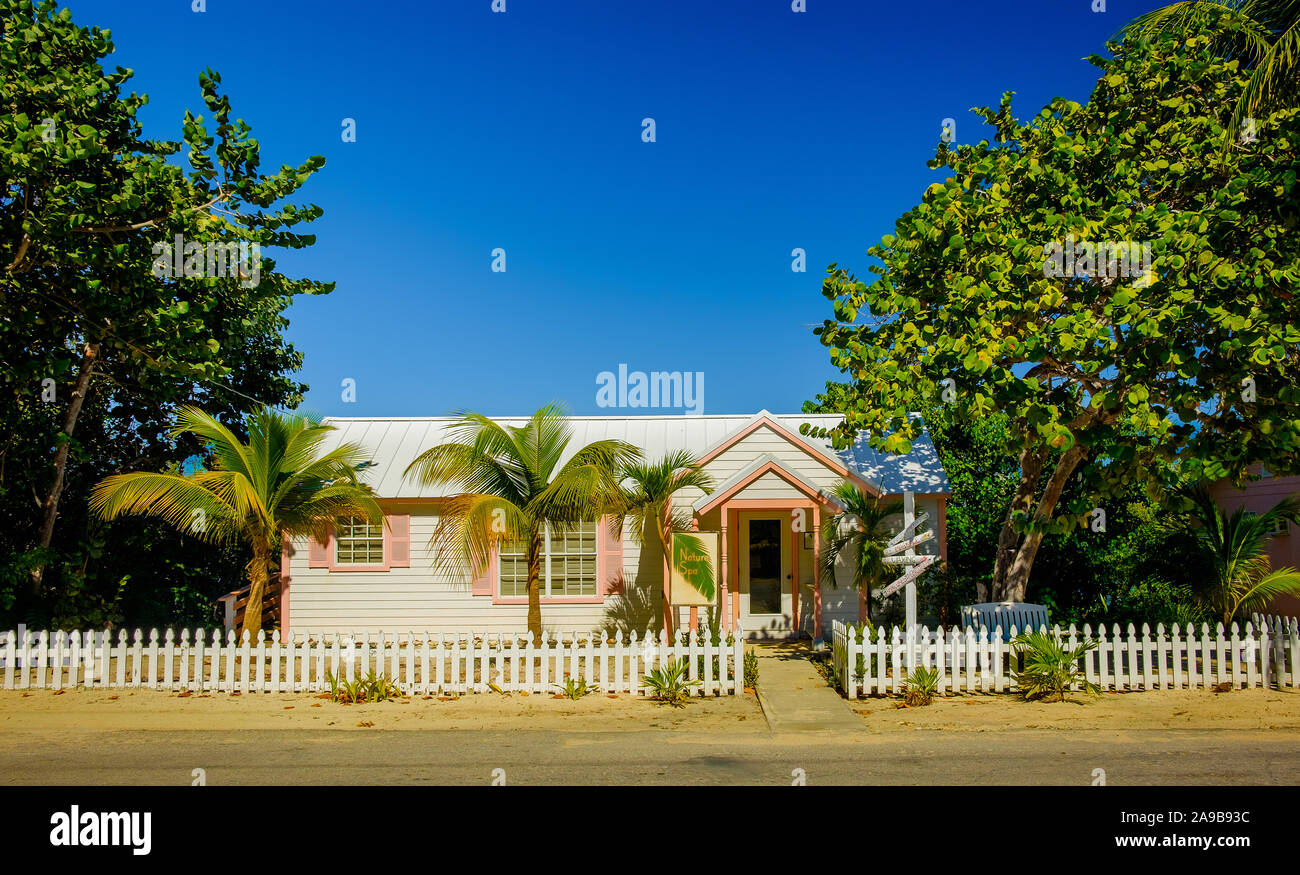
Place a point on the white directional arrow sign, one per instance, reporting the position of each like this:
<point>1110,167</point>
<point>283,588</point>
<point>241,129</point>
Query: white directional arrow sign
<point>895,549</point>
<point>922,563</point>
<point>907,530</point>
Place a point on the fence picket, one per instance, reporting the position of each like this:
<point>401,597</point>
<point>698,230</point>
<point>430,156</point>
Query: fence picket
<point>1265,653</point>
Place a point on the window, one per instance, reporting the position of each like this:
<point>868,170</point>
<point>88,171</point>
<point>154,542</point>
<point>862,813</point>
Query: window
<point>358,542</point>
<point>568,563</point>
<point>1278,527</point>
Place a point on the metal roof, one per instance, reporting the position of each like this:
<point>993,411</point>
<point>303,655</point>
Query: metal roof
<point>394,442</point>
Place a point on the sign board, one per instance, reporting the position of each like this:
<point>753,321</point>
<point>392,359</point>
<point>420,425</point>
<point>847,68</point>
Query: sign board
<point>922,564</point>
<point>694,578</point>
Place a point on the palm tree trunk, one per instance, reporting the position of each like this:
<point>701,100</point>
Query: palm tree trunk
<point>535,587</point>
<point>665,536</point>
<point>258,575</point>
<point>50,507</point>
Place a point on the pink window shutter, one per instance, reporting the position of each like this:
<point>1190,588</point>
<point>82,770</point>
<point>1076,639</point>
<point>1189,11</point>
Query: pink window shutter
<point>483,580</point>
<point>609,557</point>
<point>399,540</point>
<point>318,554</point>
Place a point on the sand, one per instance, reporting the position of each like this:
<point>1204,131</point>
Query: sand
<point>1148,710</point>
<point>109,710</point>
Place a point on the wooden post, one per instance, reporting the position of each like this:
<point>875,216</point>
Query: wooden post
<point>724,601</point>
<point>817,565</point>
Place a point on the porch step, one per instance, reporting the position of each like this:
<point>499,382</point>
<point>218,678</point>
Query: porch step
<point>793,695</point>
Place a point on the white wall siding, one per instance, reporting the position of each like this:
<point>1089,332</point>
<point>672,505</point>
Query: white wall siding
<point>422,597</point>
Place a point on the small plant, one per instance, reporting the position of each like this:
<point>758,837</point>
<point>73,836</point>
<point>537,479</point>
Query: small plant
<point>920,686</point>
<point>751,668</point>
<point>371,688</point>
<point>576,688</point>
<point>669,684</point>
<point>1050,669</point>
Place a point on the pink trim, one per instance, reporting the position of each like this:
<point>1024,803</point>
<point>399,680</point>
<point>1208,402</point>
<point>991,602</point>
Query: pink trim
<point>943,529</point>
<point>387,565</point>
<point>769,467</point>
<point>817,575</point>
<point>724,602</point>
<point>795,441</point>
<point>286,551</point>
<point>486,583</point>
<point>604,586</point>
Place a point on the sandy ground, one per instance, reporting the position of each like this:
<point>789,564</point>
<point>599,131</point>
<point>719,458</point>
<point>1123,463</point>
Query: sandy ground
<point>151,709</point>
<point>1154,710</point>
<point>108,710</point>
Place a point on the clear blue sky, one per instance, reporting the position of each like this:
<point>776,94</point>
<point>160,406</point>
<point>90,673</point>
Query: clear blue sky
<point>522,131</point>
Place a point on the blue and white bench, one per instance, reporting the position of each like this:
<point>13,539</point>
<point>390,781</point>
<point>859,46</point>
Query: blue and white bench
<point>1005,614</point>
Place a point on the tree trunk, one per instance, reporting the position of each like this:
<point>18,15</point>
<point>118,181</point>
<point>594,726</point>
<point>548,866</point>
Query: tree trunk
<point>665,536</point>
<point>1031,468</point>
<point>50,507</point>
<point>535,587</point>
<point>1017,580</point>
<point>258,575</point>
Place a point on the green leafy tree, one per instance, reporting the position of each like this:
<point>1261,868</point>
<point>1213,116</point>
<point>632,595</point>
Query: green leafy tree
<point>1241,578</point>
<point>282,481</point>
<point>859,534</point>
<point>511,483</point>
<point>1106,375</point>
<point>1262,35</point>
<point>97,322</point>
<point>647,500</point>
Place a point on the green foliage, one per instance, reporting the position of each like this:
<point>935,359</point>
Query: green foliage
<point>920,686</point>
<point>371,688</point>
<point>281,481</point>
<point>1262,35</point>
<point>1106,381</point>
<point>751,668</point>
<point>1050,668</point>
<point>1236,547</point>
<point>858,531</point>
<point>84,199</point>
<point>576,688</point>
<point>511,484</point>
<point>669,683</point>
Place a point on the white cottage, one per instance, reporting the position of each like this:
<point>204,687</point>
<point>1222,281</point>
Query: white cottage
<point>372,578</point>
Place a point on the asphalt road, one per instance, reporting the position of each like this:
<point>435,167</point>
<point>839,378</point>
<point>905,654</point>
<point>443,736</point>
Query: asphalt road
<point>1022,757</point>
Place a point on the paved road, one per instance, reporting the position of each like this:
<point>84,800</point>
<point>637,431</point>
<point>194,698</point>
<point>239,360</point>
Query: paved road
<point>649,757</point>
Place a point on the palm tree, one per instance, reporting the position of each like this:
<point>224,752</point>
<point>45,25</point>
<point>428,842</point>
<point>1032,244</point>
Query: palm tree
<point>1236,546</point>
<point>859,530</point>
<point>278,483</point>
<point>648,493</point>
<point>511,484</point>
<point>1264,35</point>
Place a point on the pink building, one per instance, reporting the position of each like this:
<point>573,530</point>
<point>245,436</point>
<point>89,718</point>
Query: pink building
<point>1259,496</point>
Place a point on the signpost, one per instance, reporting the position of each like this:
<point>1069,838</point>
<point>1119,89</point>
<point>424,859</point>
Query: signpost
<point>901,550</point>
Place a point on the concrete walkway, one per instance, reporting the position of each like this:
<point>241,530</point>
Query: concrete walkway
<point>793,695</point>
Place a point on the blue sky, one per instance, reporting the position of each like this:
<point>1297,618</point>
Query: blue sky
<point>523,131</point>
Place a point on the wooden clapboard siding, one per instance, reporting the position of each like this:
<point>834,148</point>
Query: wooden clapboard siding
<point>423,596</point>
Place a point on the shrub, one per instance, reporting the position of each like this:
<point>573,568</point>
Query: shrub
<point>371,688</point>
<point>1050,669</point>
<point>669,684</point>
<point>751,668</point>
<point>920,686</point>
<point>576,688</point>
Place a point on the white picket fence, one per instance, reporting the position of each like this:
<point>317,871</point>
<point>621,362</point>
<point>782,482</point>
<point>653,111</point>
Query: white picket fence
<point>1265,653</point>
<point>419,663</point>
